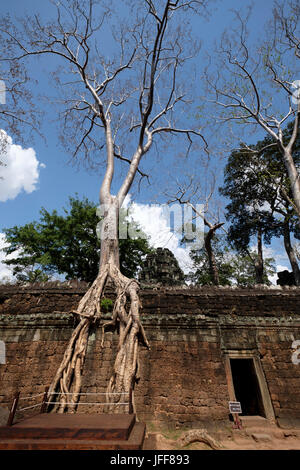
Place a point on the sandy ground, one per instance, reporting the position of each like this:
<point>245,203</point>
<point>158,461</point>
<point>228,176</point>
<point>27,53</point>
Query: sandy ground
<point>231,440</point>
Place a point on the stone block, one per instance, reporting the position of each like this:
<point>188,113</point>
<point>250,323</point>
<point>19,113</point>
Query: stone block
<point>261,437</point>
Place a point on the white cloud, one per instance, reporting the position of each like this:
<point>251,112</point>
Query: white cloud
<point>21,170</point>
<point>152,221</point>
<point>156,225</point>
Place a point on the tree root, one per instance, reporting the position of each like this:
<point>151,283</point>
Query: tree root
<point>121,384</point>
<point>198,435</point>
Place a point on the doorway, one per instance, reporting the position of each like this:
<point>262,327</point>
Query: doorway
<point>246,387</point>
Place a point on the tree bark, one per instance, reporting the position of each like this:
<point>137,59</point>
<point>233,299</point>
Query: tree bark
<point>290,252</point>
<point>109,234</point>
<point>259,263</point>
<point>97,104</point>
<point>67,381</point>
<point>210,252</point>
<point>293,177</point>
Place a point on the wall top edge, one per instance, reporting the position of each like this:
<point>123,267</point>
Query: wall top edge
<point>150,290</point>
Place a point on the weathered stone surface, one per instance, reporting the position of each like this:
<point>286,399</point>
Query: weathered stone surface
<point>4,413</point>
<point>183,376</point>
<point>261,437</point>
<point>286,278</point>
<point>161,267</point>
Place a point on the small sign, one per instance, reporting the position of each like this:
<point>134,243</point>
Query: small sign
<point>2,353</point>
<point>235,407</point>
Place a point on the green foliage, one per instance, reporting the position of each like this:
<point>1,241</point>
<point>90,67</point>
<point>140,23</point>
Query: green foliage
<point>134,248</point>
<point>244,271</point>
<point>254,183</point>
<point>30,274</point>
<point>106,305</point>
<point>68,244</point>
<point>233,268</point>
<point>202,275</point>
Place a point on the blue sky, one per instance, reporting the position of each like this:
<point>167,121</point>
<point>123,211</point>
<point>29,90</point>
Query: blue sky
<point>55,179</point>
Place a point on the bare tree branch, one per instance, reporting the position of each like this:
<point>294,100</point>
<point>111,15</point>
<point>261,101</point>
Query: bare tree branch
<point>241,95</point>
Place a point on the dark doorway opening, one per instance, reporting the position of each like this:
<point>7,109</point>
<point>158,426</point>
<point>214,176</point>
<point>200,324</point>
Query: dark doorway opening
<point>246,387</point>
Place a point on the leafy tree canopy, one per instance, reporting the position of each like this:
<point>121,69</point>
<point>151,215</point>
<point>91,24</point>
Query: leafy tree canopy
<point>67,244</point>
<point>257,184</point>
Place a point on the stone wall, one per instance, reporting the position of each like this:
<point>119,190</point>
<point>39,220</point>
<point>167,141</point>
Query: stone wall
<point>191,331</point>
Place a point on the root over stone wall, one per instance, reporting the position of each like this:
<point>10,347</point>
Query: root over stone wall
<point>191,332</point>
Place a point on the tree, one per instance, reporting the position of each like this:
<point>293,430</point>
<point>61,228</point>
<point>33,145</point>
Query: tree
<point>32,275</point>
<point>186,195</point>
<point>251,83</point>
<point>18,113</point>
<point>203,273</point>
<point>233,267</point>
<point>68,244</point>
<point>130,98</point>
<point>247,214</point>
<point>261,199</point>
<point>246,226</point>
<point>289,225</point>
<point>244,272</point>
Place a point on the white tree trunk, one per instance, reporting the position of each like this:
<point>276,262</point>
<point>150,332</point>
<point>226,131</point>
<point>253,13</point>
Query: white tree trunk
<point>109,235</point>
<point>294,178</point>
<point>123,378</point>
<point>291,253</point>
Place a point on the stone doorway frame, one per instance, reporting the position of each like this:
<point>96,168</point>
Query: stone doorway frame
<point>265,394</point>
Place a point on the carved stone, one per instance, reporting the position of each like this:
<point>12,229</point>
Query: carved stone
<point>161,267</point>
